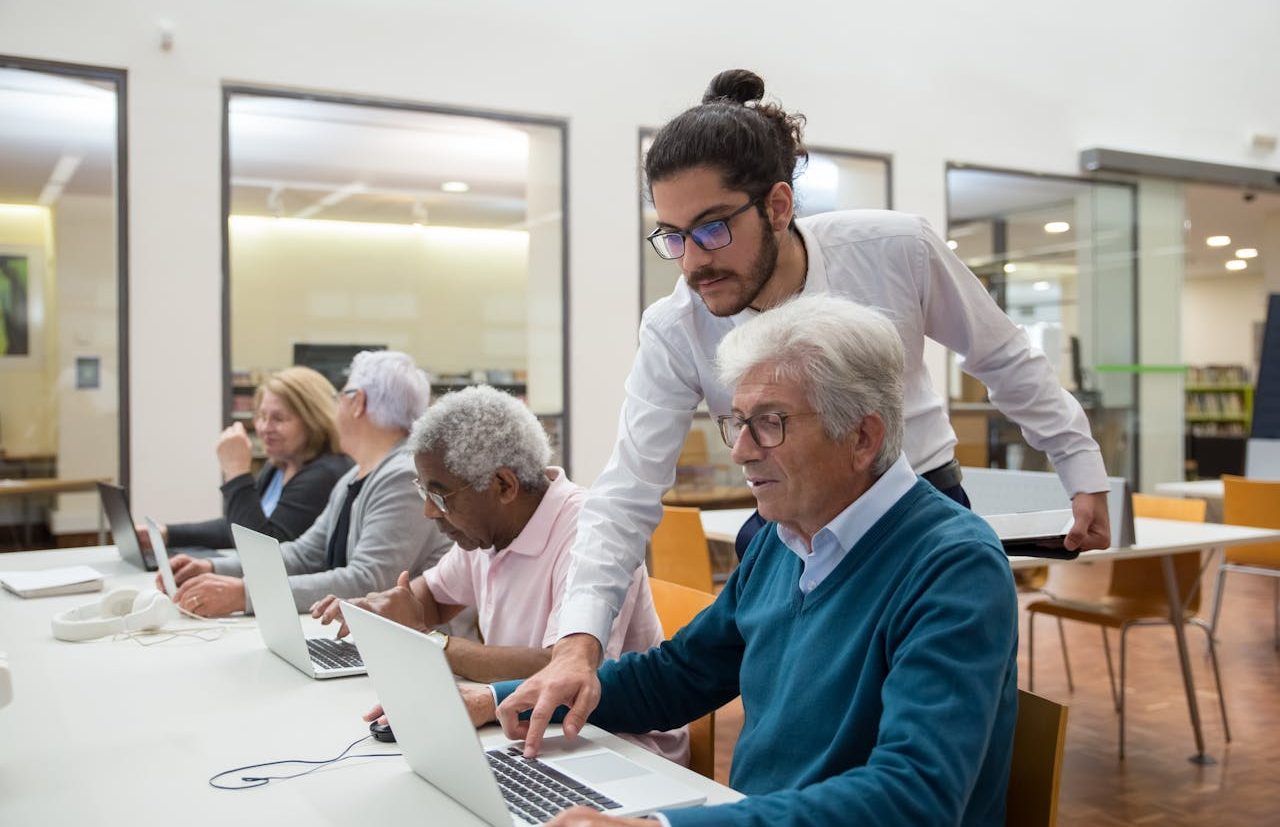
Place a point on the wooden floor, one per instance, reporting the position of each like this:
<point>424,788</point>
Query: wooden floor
<point>1155,784</point>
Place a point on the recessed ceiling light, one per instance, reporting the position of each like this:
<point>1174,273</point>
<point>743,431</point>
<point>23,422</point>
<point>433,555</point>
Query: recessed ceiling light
<point>1237,264</point>
<point>1246,252</point>
<point>1056,227</point>
<point>952,243</point>
<point>1041,286</point>
<point>1011,268</point>
<point>1218,240</point>
<point>455,186</point>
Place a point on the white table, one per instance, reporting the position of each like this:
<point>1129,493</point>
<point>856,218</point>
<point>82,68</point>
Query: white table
<point>1154,538</point>
<point>1201,489</point>
<point>111,732</point>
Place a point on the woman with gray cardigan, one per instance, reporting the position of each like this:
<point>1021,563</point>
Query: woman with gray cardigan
<point>372,528</point>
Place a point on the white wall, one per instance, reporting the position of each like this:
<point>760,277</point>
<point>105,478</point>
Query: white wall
<point>1002,83</point>
<point>1218,317</point>
<point>453,298</point>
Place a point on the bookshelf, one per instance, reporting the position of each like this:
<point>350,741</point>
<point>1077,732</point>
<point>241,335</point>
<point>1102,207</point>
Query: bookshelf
<point>1219,407</point>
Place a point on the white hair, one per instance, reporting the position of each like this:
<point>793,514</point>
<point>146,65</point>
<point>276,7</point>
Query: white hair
<point>847,357</point>
<point>480,430</point>
<point>396,391</point>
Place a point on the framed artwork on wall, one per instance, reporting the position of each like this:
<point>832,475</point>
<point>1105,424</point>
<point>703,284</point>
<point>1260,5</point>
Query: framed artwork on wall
<point>21,306</point>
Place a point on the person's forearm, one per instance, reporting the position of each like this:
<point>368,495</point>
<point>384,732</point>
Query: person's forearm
<point>431,614</point>
<point>489,664</point>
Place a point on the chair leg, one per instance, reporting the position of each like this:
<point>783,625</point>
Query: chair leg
<point>1124,631</point>
<point>1217,679</point>
<point>1031,651</point>
<point>1066,661</point>
<point>1276,611</point>
<point>1111,675</point>
<point>1219,582</point>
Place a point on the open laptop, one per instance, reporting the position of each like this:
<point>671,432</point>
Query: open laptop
<point>115,502</point>
<point>418,693</point>
<point>267,583</point>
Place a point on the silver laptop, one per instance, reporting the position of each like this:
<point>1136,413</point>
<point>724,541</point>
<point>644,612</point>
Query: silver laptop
<point>115,502</point>
<point>162,557</point>
<point>267,583</point>
<point>418,693</point>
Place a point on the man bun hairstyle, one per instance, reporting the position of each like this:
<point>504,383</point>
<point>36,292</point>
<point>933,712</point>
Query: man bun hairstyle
<point>754,144</point>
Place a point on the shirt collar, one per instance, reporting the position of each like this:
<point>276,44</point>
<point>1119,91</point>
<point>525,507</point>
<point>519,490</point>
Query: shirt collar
<point>851,524</point>
<point>535,535</point>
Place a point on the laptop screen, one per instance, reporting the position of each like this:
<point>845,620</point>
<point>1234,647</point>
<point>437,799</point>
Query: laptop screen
<point>116,503</point>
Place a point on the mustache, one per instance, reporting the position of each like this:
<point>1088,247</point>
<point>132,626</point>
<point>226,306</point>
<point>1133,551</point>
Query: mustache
<point>705,274</point>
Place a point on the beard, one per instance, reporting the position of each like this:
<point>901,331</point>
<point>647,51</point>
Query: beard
<point>750,284</point>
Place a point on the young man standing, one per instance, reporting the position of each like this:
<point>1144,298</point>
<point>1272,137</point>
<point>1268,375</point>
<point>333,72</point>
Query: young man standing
<point>720,175</point>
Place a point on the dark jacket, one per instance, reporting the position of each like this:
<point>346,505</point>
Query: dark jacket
<point>301,501</point>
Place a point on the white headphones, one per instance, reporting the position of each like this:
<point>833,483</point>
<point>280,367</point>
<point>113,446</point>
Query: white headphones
<point>120,610</point>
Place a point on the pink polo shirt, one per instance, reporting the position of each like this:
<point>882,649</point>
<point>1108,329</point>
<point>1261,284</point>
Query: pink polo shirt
<point>517,592</point>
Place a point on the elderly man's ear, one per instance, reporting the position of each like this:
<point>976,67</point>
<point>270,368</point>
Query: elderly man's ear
<point>508,485</point>
<point>867,439</point>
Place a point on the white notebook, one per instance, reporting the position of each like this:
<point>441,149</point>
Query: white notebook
<point>50,582</point>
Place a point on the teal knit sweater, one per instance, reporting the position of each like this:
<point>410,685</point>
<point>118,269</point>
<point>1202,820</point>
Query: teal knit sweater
<point>887,695</point>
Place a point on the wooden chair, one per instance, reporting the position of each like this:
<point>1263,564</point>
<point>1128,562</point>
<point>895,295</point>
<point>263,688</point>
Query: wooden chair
<point>676,606</point>
<point>1136,597</point>
<point>1252,503</point>
<point>1038,739</point>
<point>678,550</point>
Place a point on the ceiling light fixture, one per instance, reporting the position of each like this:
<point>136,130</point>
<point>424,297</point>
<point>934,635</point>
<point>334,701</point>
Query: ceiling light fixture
<point>1055,227</point>
<point>455,186</point>
<point>1237,264</point>
<point>1011,268</point>
<point>1041,286</point>
<point>1218,240</point>
<point>1246,252</point>
<point>952,243</point>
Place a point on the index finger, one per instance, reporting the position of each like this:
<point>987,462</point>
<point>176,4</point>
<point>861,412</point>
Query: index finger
<point>537,724</point>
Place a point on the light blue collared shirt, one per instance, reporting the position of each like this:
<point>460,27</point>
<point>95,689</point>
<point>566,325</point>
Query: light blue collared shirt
<point>834,540</point>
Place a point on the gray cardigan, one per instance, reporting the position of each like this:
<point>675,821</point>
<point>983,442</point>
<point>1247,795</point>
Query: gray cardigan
<point>389,534</point>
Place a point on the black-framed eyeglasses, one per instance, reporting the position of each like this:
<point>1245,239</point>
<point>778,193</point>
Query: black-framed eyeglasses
<point>437,499</point>
<point>768,430</point>
<point>713,235</point>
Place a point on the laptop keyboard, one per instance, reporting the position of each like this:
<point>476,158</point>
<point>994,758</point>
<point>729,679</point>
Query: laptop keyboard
<point>330,653</point>
<point>535,792</point>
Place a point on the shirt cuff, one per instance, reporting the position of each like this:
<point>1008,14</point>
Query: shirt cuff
<point>584,614</point>
<point>660,818</point>
<point>1083,473</point>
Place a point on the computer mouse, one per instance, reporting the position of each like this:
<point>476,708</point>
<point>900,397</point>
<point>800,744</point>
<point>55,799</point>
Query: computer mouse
<point>382,732</point>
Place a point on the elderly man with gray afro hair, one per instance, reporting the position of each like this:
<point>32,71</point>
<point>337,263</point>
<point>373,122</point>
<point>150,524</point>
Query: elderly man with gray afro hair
<point>482,459</point>
<point>479,430</point>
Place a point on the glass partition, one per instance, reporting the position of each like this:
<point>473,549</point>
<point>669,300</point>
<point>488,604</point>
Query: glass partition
<point>1058,255</point>
<point>355,225</point>
<point>62,279</point>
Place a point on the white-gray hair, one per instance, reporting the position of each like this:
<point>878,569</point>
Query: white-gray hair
<point>480,430</point>
<point>847,357</point>
<point>396,392</point>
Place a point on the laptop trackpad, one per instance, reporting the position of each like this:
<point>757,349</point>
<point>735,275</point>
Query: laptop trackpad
<point>600,767</point>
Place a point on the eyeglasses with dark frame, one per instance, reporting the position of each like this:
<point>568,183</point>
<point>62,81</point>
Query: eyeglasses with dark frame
<point>768,430</point>
<point>713,235</point>
<point>437,499</point>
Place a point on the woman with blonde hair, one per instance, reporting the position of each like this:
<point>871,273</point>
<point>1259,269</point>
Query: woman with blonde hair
<point>294,416</point>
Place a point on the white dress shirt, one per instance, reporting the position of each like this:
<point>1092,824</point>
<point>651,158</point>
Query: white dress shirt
<point>886,260</point>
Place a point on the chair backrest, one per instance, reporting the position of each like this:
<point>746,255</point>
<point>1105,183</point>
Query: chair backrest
<point>695,450</point>
<point>1143,579</point>
<point>679,552</point>
<point>676,606</point>
<point>1038,739</point>
<point>1252,503</point>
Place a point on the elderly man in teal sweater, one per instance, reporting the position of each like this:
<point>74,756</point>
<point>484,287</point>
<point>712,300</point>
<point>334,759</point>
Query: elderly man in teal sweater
<point>871,628</point>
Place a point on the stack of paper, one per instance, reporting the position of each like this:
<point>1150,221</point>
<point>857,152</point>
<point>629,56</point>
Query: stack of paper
<point>49,582</point>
